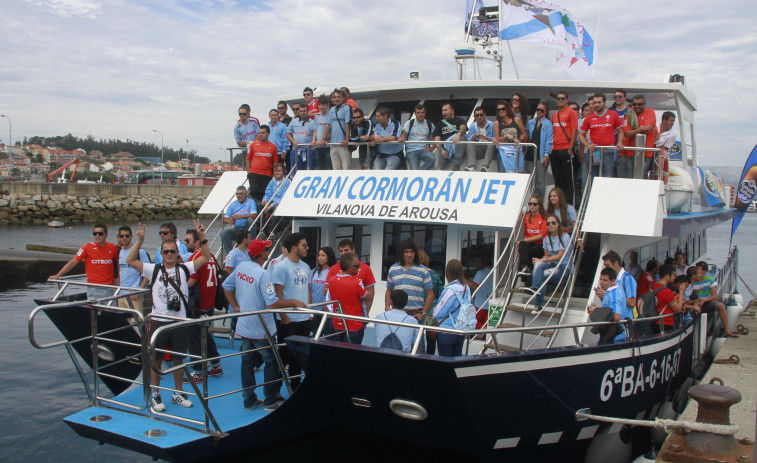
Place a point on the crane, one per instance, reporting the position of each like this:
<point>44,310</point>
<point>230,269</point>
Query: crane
<point>74,162</point>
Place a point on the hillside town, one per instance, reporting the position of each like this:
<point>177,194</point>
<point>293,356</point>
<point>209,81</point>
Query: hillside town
<point>35,163</point>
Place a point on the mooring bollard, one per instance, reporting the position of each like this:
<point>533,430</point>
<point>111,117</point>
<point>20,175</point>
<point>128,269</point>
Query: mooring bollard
<point>714,402</point>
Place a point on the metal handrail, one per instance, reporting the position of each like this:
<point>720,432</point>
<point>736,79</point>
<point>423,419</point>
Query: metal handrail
<point>658,155</point>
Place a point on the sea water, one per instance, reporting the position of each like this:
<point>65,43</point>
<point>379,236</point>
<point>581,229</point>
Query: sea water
<point>38,388</point>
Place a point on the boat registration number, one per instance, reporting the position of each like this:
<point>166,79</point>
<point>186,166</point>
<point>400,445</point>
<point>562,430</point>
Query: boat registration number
<point>633,379</point>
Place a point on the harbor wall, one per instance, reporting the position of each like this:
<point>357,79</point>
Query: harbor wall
<point>39,203</point>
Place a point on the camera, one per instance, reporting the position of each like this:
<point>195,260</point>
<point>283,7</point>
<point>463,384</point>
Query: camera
<point>173,305</point>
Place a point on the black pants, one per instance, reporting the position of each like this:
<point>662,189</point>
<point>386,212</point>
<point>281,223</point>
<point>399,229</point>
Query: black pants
<point>295,362</point>
<point>527,251</point>
<point>194,341</point>
<point>562,169</point>
<point>258,184</point>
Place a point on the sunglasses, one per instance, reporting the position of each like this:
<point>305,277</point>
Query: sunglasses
<point>242,114</point>
<point>306,94</point>
<point>562,97</point>
<point>551,223</point>
<point>357,116</point>
<point>124,236</point>
<point>480,115</point>
<point>98,233</point>
<point>186,240</point>
<point>281,107</point>
<point>533,204</point>
<point>169,251</point>
<point>162,232</point>
<point>515,99</point>
<point>638,104</point>
<point>501,109</point>
<point>541,110</point>
<point>619,96</point>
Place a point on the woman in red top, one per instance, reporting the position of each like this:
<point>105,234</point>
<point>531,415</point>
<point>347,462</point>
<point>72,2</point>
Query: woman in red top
<point>534,230</point>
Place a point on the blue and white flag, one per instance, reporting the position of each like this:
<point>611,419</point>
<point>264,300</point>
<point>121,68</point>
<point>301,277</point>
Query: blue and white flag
<point>551,25</point>
<point>472,23</point>
<point>746,192</point>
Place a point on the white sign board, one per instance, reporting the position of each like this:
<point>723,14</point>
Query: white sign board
<point>472,198</point>
<point>223,192</point>
<point>622,206</point>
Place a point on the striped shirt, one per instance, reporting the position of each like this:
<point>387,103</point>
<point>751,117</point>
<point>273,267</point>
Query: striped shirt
<point>415,281</point>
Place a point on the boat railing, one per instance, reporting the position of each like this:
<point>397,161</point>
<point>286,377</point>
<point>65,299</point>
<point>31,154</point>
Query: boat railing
<point>727,276</point>
<point>656,170</point>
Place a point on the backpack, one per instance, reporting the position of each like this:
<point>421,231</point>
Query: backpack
<point>221,302</point>
<point>466,314</point>
<point>646,305</point>
<point>392,341</point>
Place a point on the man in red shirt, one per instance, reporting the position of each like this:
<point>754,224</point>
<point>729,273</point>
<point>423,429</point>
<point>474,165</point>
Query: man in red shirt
<point>261,157</point>
<point>647,125</point>
<point>347,288</point>
<point>602,125</point>
<point>668,302</point>
<point>364,273</point>
<point>311,102</point>
<point>100,263</point>
<point>204,279</point>
<point>647,279</point>
<point>565,124</point>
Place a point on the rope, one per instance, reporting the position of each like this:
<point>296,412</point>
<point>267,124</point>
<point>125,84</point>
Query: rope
<point>746,285</point>
<point>667,425</point>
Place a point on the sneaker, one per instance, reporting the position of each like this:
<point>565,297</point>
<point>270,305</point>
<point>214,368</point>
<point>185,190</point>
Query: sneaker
<point>273,406</point>
<point>484,169</point>
<point>525,272</point>
<point>253,405</point>
<point>181,399</point>
<point>215,370</point>
<point>196,377</point>
<point>470,169</point>
<point>529,290</point>
<point>537,310</point>
<point>157,404</point>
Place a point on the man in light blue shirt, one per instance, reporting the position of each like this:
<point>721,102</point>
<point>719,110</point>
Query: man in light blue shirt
<point>278,135</point>
<point>397,313</point>
<point>128,275</point>
<point>239,253</point>
<point>418,129</point>
<point>291,280</point>
<point>338,130</point>
<point>481,130</point>
<point>301,134</point>
<point>386,130</point>
<point>168,233</point>
<point>246,128</point>
<point>250,289</point>
<point>612,297</point>
<point>240,214</point>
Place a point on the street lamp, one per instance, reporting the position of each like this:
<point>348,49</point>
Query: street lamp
<point>10,139</point>
<point>162,160</point>
<point>187,140</point>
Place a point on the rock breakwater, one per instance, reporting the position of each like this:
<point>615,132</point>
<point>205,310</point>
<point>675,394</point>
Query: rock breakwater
<point>17,209</point>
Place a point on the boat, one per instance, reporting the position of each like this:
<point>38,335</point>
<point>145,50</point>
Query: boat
<point>55,223</point>
<point>518,391</point>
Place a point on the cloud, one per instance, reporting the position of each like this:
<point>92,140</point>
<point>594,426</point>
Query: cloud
<point>120,68</point>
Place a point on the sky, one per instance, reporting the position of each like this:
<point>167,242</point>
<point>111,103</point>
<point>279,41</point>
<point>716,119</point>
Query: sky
<point>119,69</point>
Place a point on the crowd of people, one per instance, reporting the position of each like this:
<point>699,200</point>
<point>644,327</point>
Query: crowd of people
<point>326,130</point>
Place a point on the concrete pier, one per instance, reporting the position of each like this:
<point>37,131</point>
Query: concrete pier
<point>18,267</point>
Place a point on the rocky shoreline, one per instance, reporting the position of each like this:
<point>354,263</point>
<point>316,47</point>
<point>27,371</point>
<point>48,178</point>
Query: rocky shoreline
<point>18,209</point>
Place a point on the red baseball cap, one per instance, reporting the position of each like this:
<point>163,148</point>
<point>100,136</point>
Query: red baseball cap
<point>257,246</point>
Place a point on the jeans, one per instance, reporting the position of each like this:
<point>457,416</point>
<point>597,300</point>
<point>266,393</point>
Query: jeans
<point>539,277</point>
<point>322,158</point>
<point>625,167</point>
<point>608,163</point>
<point>295,362</point>
<point>415,157</point>
<point>390,162</point>
<point>96,292</point>
<point>297,154</point>
<point>455,158</point>
<point>366,154</point>
<point>194,342</point>
<point>272,391</point>
<point>355,336</point>
<point>450,345</point>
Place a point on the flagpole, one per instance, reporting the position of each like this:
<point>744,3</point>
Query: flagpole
<point>596,40</point>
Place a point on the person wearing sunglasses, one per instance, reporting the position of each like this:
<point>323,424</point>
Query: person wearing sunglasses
<point>285,118</point>
<point>170,291</point>
<point>602,127</point>
<point>100,263</point>
<point>168,233</point>
<point>247,127</point>
<point>310,102</point>
<point>642,121</point>
<point>534,231</point>
<point>481,130</point>
<point>565,126</point>
<point>620,103</point>
<point>541,134</point>
<point>130,278</point>
<point>556,245</point>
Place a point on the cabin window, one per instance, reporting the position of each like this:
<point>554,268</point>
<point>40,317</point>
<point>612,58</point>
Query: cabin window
<point>432,238</point>
<point>476,250</point>
<point>360,235</point>
<point>463,109</point>
<point>399,111</point>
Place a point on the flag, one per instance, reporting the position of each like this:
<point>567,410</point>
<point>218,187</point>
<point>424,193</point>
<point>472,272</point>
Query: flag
<point>477,28</point>
<point>551,25</point>
<point>747,189</point>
